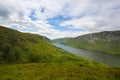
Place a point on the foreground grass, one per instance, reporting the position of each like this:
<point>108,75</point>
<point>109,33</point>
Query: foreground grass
<point>70,70</point>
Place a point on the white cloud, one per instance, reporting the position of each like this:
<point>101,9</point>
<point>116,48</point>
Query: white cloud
<point>93,23</point>
<point>95,16</point>
<point>89,15</point>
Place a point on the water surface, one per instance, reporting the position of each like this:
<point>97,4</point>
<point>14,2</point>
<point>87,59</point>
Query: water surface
<point>109,59</point>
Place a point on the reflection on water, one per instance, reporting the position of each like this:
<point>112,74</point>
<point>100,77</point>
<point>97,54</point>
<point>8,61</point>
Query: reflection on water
<point>109,59</point>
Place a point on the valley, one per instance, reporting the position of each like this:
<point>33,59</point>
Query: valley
<point>25,56</point>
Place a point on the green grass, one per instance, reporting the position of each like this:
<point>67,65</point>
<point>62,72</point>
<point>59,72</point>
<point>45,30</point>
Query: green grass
<point>17,47</point>
<point>71,70</point>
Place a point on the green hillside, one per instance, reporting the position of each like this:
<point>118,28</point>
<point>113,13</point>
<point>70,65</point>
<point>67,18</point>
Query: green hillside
<point>107,41</point>
<point>17,47</point>
<point>25,56</point>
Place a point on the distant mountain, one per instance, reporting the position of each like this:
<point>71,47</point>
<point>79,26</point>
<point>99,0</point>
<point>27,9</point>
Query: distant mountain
<point>61,40</point>
<point>107,41</point>
<point>17,47</point>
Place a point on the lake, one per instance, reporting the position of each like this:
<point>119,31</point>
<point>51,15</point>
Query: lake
<point>109,59</point>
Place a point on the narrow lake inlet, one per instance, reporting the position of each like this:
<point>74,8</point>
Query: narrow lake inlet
<point>109,59</point>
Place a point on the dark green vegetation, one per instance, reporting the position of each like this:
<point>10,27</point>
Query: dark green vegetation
<point>74,70</point>
<point>108,42</point>
<point>26,56</point>
<point>17,47</point>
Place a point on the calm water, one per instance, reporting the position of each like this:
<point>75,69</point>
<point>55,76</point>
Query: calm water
<point>109,59</point>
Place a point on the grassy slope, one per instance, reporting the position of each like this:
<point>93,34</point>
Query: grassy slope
<point>29,57</point>
<point>108,42</point>
<point>17,47</point>
<point>72,70</point>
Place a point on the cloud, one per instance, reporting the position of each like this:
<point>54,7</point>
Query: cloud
<point>35,16</point>
<point>94,16</point>
<point>93,24</point>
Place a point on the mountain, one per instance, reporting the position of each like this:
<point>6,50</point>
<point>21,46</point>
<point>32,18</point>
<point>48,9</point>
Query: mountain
<point>107,41</point>
<point>60,40</point>
<point>17,47</point>
<point>25,56</point>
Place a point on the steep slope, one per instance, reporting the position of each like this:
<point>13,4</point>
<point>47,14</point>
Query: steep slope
<point>17,47</point>
<point>107,41</point>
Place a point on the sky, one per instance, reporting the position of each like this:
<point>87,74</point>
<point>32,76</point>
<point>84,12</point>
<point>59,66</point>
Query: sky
<point>60,18</point>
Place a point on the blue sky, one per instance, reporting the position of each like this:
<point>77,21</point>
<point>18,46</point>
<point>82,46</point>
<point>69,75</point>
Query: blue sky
<point>32,15</point>
<point>60,18</point>
<point>57,20</point>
